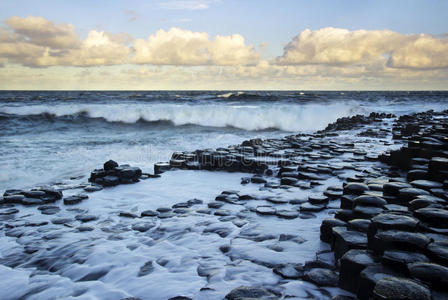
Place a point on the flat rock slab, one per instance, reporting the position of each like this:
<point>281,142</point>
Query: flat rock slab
<point>355,188</point>
<point>400,288</point>
<point>86,218</point>
<point>398,240</point>
<point>322,277</point>
<point>400,259</point>
<point>265,210</point>
<point>438,251</point>
<point>287,214</point>
<point>433,274</point>
<point>247,292</point>
<point>289,271</point>
<point>388,221</point>
<point>436,217</point>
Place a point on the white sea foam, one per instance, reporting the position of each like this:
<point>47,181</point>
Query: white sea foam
<point>286,117</point>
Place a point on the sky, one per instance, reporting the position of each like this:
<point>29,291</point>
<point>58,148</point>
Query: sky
<point>224,45</point>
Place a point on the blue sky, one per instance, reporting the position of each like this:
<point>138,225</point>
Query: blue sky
<point>272,24</point>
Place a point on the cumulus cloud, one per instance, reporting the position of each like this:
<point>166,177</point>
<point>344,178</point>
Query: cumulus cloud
<point>335,46</point>
<point>184,47</point>
<point>36,42</point>
<point>40,31</point>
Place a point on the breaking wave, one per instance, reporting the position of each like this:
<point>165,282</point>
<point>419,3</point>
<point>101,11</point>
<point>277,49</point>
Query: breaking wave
<point>247,117</point>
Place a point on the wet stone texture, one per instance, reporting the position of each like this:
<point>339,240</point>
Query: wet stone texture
<point>358,210</point>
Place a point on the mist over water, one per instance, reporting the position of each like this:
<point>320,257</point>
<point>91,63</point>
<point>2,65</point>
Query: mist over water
<point>50,136</point>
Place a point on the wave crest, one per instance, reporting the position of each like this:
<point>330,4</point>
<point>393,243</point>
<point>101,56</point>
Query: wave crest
<point>283,117</point>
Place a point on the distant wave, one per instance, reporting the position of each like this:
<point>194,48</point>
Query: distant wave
<point>248,117</point>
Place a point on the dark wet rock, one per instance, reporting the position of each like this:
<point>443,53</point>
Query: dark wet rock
<point>355,188</point>
<point>166,215</point>
<point>109,181</point>
<point>342,297</point>
<point>36,223</point>
<point>361,225</point>
<point>161,167</point>
<point>409,194</point>
<point>258,179</point>
<point>438,251</point>
<point>85,228</point>
<point>393,188</point>
<point>246,292</point>
<point>195,201</point>
<point>386,221</point>
<point>143,226</point>
<point>399,259</point>
<point>399,240</point>
<point>366,212</point>
<point>288,181</point>
<point>265,210</point>
<point>308,207</point>
<point>434,275</point>
<point>347,201</point>
<point>127,214</point>
<point>322,277</point>
<point>163,209</point>
<point>326,229</point>
<point>369,201</point>
<point>369,277</point>
<point>239,222</point>
<point>287,214</point>
<point>426,201</point>
<point>345,240</point>
<point>180,298</point>
<point>318,200</point>
<point>17,199</point>
<point>204,211</point>
<point>215,204</point>
<point>9,211</point>
<point>110,165</point>
<point>34,194</point>
<point>352,263</point>
<point>75,199</point>
<point>222,212</point>
<point>426,184</point>
<point>181,205</point>
<point>30,249</point>
<point>344,215</point>
<point>50,210</point>
<point>436,217</point>
<point>149,213</point>
<point>60,221</point>
<point>400,289</point>
<point>221,231</point>
<point>93,188</point>
<point>289,271</point>
<point>146,269</point>
<point>86,218</point>
<point>32,201</point>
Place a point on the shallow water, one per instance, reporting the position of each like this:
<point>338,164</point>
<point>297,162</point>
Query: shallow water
<point>49,136</point>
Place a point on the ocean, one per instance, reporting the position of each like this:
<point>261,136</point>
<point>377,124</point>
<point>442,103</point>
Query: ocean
<point>48,136</point>
<point>211,233</point>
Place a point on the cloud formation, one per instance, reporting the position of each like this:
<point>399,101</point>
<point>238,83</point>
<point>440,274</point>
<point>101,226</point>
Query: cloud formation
<point>184,47</point>
<point>335,46</point>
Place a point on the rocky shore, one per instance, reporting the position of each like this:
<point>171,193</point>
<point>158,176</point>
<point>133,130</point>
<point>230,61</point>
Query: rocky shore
<point>379,184</point>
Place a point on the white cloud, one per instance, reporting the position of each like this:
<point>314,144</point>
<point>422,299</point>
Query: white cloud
<point>40,31</point>
<point>184,47</point>
<point>335,46</point>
